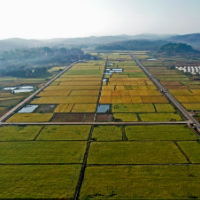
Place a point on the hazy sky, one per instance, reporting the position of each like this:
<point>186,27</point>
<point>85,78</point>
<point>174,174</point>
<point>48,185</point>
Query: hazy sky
<point>42,19</point>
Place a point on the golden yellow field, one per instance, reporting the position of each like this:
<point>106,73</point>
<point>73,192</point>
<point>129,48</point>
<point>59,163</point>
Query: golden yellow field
<point>65,100</point>
<point>54,93</point>
<point>30,117</point>
<point>84,108</point>
<point>80,83</point>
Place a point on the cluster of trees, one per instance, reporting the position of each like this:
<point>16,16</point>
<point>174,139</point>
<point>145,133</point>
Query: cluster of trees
<point>43,52</point>
<point>174,48</point>
<point>24,72</point>
<point>135,45</point>
<point>33,62</point>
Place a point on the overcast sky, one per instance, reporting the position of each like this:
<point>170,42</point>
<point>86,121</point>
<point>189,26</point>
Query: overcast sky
<point>44,19</point>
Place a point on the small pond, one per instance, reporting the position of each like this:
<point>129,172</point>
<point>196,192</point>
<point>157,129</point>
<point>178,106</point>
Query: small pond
<point>28,109</point>
<point>103,108</point>
<point>151,59</point>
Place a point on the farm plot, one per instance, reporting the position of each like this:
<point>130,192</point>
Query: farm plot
<point>73,87</point>
<point>84,108</point>
<point>160,117</point>
<point>16,133</point>
<point>38,181</point>
<point>144,153</point>
<point>78,117</point>
<point>63,108</point>
<point>65,132</point>
<point>154,99</point>
<point>65,100</point>
<point>45,109</point>
<point>3,110</point>
<point>51,93</point>
<point>118,108</point>
<point>125,117</point>
<point>141,182</point>
<point>192,106</point>
<point>42,152</point>
<point>84,93</point>
<point>104,117</point>
<point>30,117</point>
<point>188,99</point>
<point>80,83</point>
<point>119,57</point>
<point>164,108</point>
<point>191,149</point>
<point>159,132</point>
<point>107,133</point>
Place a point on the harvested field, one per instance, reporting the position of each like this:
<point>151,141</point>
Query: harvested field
<point>104,117</point>
<point>61,117</point>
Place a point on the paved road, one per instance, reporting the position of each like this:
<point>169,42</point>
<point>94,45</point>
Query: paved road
<point>95,123</point>
<point>168,95</point>
<point>29,98</point>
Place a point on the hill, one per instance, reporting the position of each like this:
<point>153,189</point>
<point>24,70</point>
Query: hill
<point>18,43</point>
<point>192,39</point>
<point>174,48</point>
<point>136,45</point>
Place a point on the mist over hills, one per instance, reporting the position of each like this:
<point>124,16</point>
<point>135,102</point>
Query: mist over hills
<point>19,43</point>
<point>189,38</point>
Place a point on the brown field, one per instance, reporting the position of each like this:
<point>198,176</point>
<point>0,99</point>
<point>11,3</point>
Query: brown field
<point>104,117</point>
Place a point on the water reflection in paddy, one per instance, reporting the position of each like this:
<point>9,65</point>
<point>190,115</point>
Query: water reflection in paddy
<point>103,108</point>
<point>28,109</point>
